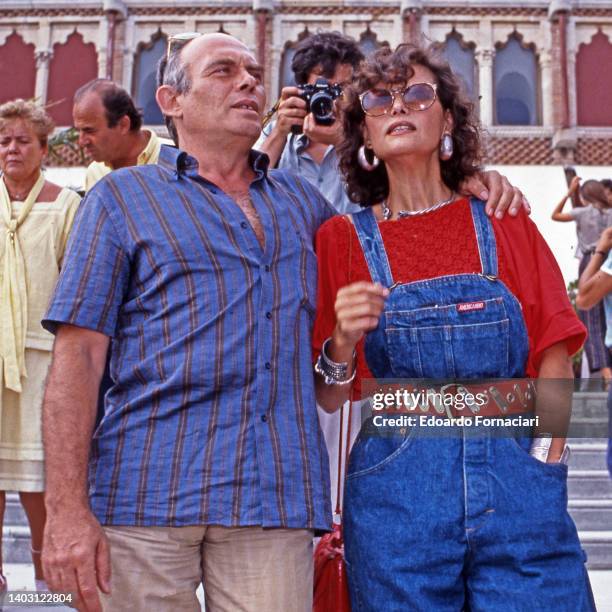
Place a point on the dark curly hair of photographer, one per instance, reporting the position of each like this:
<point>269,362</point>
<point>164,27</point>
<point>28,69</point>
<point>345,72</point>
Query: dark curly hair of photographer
<point>393,68</point>
<point>326,50</point>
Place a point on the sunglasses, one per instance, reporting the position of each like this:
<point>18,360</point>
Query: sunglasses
<point>179,40</point>
<point>416,97</point>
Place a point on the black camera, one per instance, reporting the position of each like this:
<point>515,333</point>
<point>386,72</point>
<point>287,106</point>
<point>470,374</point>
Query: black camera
<point>319,100</point>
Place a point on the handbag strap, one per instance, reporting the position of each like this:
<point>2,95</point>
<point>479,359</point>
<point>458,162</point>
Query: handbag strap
<point>342,467</point>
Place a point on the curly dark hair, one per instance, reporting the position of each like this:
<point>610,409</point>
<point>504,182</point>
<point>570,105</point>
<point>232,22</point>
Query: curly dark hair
<point>394,67</point>
<point>327,50</point>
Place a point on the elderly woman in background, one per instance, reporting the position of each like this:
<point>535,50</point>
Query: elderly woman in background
<point>35,218</point>
<point>422,284</point>
<point>591,220</point>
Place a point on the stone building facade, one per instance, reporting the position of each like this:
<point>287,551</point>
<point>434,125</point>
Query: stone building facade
<point>539,72</point>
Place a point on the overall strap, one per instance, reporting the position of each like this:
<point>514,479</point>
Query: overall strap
<point>485,238</point>
<point>373,247</point>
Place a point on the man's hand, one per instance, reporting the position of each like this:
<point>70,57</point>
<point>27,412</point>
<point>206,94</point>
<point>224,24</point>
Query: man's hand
<point>497,191</point>
<point>76,557</point>
<point>291,111</point>
<point>326,134</point>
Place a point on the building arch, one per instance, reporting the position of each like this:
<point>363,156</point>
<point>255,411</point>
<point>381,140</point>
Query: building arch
<point>516,83</point>
<point>145,77</point>
<point>66,75</point>
<point>594,89</point>
<point>17,68</point>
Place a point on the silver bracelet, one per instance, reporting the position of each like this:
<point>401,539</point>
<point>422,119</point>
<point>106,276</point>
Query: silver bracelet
<point>333,372</point>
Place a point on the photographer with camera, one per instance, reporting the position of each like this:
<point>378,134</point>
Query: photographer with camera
<point>305,134</point>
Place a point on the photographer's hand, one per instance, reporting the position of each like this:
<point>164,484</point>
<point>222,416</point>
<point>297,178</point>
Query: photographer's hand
<point>324,134</point>
<point>291,111</point>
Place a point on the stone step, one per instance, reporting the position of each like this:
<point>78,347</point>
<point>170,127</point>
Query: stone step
<point>589,484</point>
<point>598,547</point>
<point>588,456</point>
<point>591,514</point>
<point>16,544</point>
<point>13,512</point>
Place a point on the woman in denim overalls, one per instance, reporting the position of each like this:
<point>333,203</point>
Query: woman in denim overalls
<point>471,520</point>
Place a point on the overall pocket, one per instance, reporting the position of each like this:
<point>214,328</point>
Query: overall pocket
<point>459,340</point>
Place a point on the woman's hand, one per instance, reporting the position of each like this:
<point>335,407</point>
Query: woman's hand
<point>358,309</point>
<point>497,191</point>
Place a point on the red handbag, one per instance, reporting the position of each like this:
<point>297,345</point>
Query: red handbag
<point>330,580</point>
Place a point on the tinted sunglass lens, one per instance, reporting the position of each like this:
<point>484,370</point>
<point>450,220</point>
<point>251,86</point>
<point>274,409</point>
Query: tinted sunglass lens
<point>419,97</point>
<point>376,102</point>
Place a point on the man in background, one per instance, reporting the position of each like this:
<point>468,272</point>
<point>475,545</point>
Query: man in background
<point>110,130</point>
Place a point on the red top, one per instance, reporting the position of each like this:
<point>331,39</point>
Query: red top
<point>444,242</point>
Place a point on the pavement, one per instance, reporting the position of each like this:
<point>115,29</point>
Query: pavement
<point>20,577</point>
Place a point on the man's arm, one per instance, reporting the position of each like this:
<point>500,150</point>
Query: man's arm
<point>76,555</point>
<point>594,284</point>
<point>558,214</point>
<point>291,111</point>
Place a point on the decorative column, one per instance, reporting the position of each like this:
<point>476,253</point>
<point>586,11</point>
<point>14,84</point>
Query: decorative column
<point>411,11</point>
<point>485,81</point>
<point>262,10</point>
<point>43,59</point>
<point>115,11</point>
<point>564,139</point>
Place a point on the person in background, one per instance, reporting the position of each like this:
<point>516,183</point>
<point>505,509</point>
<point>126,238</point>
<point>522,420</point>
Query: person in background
<point>594,287</point>
<point>35,219</point>
<point>591,220</point>
<point>607,184</point>
<point>110,130</point>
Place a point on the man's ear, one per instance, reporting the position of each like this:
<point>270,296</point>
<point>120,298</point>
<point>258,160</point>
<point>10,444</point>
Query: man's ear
<point>168,101</point>
<point>124,124</point>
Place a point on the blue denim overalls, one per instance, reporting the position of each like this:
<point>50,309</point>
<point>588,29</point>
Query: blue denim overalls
<point>469,521</point>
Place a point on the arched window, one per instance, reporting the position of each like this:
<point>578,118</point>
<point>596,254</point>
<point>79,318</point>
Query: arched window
<point>145,78</point>
<point>66,75</point>
<point>17,69</point>
<point>460,57</point>
<point>515,77</point>
<point>368,42</point>
<point>594,87</point>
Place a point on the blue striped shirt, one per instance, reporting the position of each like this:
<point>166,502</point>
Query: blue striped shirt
<point>212,418</point>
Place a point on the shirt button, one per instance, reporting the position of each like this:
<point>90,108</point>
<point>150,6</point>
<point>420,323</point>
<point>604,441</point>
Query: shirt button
<point>243,225</point>
<point>268,365</point>
<point>264,418</point>
<point>268,315</point>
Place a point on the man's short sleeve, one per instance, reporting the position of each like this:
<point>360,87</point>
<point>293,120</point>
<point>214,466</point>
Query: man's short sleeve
<point>94,275</point>
<point>607,265</point>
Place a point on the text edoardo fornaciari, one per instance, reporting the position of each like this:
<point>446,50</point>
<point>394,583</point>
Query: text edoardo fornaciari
<point>394,406</point>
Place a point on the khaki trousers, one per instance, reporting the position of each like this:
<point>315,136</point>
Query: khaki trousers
<point>245,569</point>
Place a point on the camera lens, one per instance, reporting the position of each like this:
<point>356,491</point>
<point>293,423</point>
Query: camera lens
<point>322,108</point>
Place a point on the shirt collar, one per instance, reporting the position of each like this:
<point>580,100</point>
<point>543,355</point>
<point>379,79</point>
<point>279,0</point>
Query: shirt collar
<point>149,151</point>
<point>180,162</point>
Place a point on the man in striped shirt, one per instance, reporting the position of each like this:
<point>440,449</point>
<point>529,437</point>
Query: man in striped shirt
<point>209,464</point>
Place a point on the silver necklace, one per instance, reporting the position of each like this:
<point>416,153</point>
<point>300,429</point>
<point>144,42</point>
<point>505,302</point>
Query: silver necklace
<point>414,213</point>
